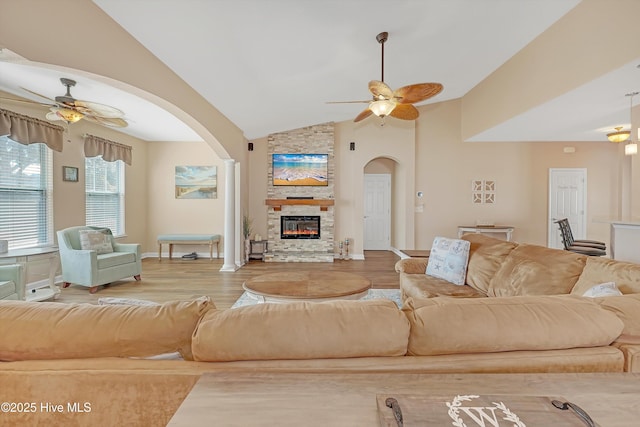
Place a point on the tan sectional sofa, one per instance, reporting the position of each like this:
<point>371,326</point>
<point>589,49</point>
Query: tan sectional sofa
<point>104,359</point>
<point>498,268</point>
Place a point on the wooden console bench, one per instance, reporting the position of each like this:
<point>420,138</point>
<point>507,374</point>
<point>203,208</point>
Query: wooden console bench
<point>188,239</point>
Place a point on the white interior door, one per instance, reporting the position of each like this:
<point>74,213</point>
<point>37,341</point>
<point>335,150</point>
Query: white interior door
<point>567,199</point>
<point>377,212</point>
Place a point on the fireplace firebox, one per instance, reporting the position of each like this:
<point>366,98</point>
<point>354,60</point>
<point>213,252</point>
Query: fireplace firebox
<point>299,227</point>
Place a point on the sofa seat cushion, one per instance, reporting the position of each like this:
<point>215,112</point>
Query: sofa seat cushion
<point>302,330</point>
<point>7,288</point>
<point>486,255</point>
<point>485,325</point>
<point>52,330</point>
<point>115,259</point>
<point>424,286</point>
<point>598,270</point>
<point>537,270</point>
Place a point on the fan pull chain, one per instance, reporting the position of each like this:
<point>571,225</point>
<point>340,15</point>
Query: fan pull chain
<point>382,66</point>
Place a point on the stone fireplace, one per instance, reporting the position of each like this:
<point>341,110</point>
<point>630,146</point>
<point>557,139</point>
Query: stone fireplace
<point>300,219</point>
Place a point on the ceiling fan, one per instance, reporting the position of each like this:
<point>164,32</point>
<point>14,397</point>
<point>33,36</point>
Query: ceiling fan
<point>398,103</point>
<point>68,109</point>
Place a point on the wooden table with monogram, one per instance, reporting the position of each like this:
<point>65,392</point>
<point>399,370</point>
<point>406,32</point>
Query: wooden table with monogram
<point>350,399</point>
<point>307,286</point>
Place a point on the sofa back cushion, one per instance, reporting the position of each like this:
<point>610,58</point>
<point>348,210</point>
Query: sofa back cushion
<point>487,325</point>
<point>52,330</point>
<point>536,270</point>
<point>485,258</point>
<point>627,308</point>
<point>302,330</point>
<point>598,270</point>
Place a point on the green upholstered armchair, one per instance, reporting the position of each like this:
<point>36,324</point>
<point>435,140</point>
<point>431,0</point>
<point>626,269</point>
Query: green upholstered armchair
<point>12,282</point>
<point>107,262</point>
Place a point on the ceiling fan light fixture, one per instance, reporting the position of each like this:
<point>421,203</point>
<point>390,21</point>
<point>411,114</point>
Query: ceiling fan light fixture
<point>382,108</point>
<point>619,135</point>
<point>69,116</point>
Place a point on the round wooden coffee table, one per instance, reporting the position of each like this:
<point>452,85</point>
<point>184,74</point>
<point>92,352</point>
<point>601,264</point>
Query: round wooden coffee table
<point>307,286</point>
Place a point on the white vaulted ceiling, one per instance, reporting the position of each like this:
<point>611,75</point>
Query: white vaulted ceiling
<point>271,66</point>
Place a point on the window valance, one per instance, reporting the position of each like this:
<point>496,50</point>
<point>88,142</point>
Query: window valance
<point>29,130</point>
<point>109,150</point>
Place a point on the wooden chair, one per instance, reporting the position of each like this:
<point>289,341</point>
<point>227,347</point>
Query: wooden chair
<point>584,247</point>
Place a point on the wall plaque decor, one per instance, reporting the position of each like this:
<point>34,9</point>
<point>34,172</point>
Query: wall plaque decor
<point>483,191</point>
<point>69,173</point>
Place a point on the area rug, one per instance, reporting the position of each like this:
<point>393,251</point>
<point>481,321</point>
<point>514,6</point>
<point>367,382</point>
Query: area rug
<point>391,294</point>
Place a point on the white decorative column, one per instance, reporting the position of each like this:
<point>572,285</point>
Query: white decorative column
<point>229,215</point>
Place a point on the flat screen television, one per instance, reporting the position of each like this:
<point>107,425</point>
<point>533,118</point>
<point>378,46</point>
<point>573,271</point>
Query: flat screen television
<point>300,169</point>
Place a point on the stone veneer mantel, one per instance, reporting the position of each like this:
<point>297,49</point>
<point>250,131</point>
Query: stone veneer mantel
<point>278,203</point>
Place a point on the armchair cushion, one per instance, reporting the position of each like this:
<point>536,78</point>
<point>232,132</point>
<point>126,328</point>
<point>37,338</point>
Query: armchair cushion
<point>96,241</point>
<point>115,258</point>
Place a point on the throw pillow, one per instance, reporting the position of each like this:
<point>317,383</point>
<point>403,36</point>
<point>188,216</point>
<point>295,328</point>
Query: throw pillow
<point>608,289</point>
<point>448,260</point>
<point>96,241</point>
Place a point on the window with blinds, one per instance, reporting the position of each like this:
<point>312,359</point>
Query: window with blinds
<point>26,194</point>
<point>104,189</point>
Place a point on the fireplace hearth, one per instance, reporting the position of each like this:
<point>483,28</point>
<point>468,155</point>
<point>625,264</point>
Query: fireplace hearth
<point>299,227</point>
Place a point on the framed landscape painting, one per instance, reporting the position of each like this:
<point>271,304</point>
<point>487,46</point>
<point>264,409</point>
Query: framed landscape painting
<point>196,182</point>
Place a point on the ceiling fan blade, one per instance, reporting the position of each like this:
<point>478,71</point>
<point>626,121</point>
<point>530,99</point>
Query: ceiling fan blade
<point>405,112</point>
<point>26,101</point>
<point>52,116</point>
<point>417,92</point>
<point>41,96</point>
<point>380,90</point>
<point>366,113</point>
<point>98,110</point>
<point>113,122</point>
<point>348,102</point>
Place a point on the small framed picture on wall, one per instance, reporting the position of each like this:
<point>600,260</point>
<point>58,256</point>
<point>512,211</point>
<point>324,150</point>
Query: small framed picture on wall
<point>69,173</point>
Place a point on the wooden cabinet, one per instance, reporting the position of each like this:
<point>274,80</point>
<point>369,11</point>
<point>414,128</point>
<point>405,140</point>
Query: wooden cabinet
<point>494,230</point>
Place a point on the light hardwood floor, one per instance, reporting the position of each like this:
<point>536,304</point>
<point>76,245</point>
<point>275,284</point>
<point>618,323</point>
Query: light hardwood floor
<point>179,279</point>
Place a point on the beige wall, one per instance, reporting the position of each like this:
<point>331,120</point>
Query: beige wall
<point>432,158</point>
<point>150,204</point>
<point>427,156</point>
<point>446,167</point>
<point>168,215</point>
